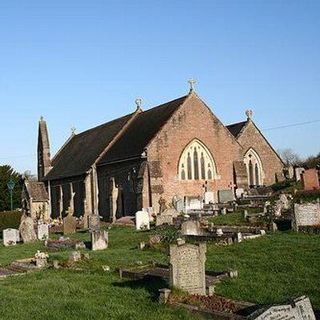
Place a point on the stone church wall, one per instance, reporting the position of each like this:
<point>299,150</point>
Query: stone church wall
<point>272,165</point>
<point>192,121</point>
<point>127,191</point>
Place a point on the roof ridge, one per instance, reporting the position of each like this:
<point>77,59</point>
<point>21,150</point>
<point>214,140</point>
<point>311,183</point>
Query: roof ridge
<point>163,104</point>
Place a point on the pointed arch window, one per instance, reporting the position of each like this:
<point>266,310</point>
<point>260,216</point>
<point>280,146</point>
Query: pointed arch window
<point>254,168</point>
<point>198,161</point>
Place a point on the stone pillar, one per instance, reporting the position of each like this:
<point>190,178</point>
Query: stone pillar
<point>72,194</point>
<point>49,202</point>
<point>88,192</point>
<point>61,202</point>
<point>95,189</point>
<point>114,194</point>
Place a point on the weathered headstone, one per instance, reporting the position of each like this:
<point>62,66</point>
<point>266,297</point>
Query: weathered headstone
<point>307,214</point>
<point>191,228</point>
<point>299,309</point>
<point>178,203</point>
<point>94,222</point>
<point>26,229</point>
<point>225,196</point>
<point>43,231</point>
<point>69,223</point>
<point>164,219</point>
<point>187,267</point>
<point>10,237</point>
<point>142,220</point>
<point>99,240</point>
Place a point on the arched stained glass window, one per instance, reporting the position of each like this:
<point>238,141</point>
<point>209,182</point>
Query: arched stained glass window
<point>198,161</point>
<point>254,168</point>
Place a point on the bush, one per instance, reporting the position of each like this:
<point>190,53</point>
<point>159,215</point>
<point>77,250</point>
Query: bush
<point>307,196</point>
<point>9,219</point>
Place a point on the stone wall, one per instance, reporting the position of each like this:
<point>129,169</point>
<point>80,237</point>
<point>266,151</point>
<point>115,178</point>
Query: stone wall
<point>272,165</point>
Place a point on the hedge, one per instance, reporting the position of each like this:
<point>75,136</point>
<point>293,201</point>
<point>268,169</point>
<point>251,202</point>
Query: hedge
<point>9,219</point>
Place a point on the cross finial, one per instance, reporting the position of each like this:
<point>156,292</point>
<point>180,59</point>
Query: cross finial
<point>73,131</point>
<point>249,114</point>
<point>138,102</point>
<point>192,83</point>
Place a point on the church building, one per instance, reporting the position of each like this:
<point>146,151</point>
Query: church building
<point>149,157</point>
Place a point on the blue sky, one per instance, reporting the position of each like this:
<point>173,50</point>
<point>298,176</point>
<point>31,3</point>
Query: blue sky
<point>82,63</point>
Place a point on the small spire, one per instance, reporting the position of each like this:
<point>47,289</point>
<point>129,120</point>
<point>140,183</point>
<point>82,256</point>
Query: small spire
<point>73,131</point>
<point>249,114</point>
<point>138,102</point>
<point>41,118</point>
<point>192,83</point>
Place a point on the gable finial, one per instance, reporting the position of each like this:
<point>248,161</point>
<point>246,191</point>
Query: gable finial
<point>249,114</point>
<point>192,83</point>
<point>138,102</point>
<point>73,131</point>
<point>41,118</point>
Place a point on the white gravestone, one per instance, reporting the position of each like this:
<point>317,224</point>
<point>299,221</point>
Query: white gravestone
<point>142,220</point>
<point>10,237</point>
<point>209,197</point>
<point>99,240</point>
<point>307,214</point>
<point>43,231</point>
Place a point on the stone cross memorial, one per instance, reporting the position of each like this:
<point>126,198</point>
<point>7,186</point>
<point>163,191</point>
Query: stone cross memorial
<point>187,267</point>
<point>142,220</point>
<point>10,237</point>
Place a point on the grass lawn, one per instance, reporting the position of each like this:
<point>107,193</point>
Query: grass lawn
<point>271,269</point>
<point>230,219</point>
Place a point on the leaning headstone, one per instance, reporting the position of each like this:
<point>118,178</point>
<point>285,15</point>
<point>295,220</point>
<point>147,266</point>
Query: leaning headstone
<point>99,240</point>
<point>142,220</point>
<point>191,228</point>
<point>225,196</point>
<point>164,219</point>
<point>10,237</point>
<point>94,222</point>
<point>298,309</point>
<point>69,223</point>
<point>187,267</point>
<point>26,229</point>
<point>43,231</point>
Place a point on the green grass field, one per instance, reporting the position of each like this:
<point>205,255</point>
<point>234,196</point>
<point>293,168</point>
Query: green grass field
<point>271,269</point>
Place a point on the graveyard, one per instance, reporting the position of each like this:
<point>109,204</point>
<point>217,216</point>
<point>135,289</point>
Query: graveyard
<point>270,269</point>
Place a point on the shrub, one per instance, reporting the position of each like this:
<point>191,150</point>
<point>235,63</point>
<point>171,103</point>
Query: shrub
<point>9,219</point>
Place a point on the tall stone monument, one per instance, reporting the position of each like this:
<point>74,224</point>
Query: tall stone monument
<point>187,267</point>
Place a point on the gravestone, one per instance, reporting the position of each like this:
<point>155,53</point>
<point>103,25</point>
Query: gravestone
<point>298,309</point>
<point>209,197</point>
<point>193,203</point>
<point>164,219</point>
<point>187,267</point>
<point>94,222</point>
<point>99,240</point>
<point>284,200</point>
<point>307,214</point>
<point>178,203</point>
<point>26,229</point>
<point>225,196</point>
<point>10,237</point>
<point>191,228</point>
<point>142,220</point>
<point>69,223</point>
<point>43,231</point>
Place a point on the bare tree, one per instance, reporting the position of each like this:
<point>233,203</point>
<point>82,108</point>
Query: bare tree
<point>289,157</point>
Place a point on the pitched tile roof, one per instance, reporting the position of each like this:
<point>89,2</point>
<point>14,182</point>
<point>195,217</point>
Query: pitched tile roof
<point>141,131</point>
<point>80,153</point>
<point>236,128</point>
<point>83,149</point>
<point>37,191</point>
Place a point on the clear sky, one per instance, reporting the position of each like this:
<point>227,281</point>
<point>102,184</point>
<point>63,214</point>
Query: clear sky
<point>81,63</point>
